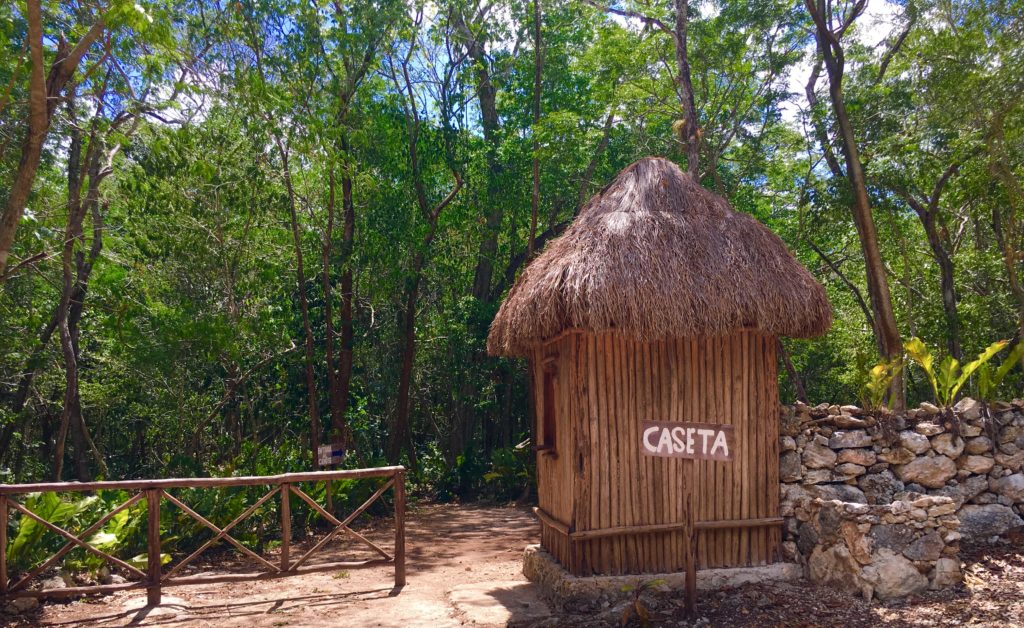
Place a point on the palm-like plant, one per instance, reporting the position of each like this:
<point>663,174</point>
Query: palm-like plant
<point>989,381</point>
<point>949,378</point>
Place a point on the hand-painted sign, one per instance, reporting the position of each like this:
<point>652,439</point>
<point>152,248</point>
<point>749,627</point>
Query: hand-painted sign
<point>328,455</point>
<point>670,439</point>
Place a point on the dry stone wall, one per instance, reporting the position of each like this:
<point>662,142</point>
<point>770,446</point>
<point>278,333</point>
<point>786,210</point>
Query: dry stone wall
<point>859,491</point>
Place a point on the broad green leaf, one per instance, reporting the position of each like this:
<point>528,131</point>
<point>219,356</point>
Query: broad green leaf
<point>973,365</point>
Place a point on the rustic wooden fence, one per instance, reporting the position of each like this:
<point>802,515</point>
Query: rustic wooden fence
<point>156,491</point>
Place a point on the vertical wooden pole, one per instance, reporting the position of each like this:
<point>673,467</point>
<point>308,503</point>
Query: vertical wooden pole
<point>400,528</point>
<point>330,498</point>
<point>3,544</point>
<point>286,525</point>
<point>691,543</point>
<point>153,546</point>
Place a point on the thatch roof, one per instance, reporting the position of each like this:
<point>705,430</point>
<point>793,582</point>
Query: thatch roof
<point>656,255</point>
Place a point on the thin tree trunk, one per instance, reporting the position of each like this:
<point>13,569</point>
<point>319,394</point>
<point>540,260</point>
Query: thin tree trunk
<point>347,328</point>
<point>401,435</point>
<point>927,211</point>
<point>71,413</point>
<point>794,375</point>
<point>691,132</point>
<point>538,67</point>
<point>487,97</point>
<point>42,99</point>
<point>886,331</point>
<point>300,280</point>
<point>333,377</point>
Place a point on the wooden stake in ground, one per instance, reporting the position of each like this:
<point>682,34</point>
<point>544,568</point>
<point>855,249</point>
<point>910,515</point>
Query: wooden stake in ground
<point>691,541</point>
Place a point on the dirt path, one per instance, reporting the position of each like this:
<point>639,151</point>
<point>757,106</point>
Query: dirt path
<point>452,548</point>
<point>447,545</point>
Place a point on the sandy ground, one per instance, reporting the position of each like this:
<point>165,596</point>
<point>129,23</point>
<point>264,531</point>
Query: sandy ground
<point>447,545</point>
<point>464,567</point>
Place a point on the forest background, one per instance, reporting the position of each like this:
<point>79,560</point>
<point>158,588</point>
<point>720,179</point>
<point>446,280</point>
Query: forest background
<point>235,228</point>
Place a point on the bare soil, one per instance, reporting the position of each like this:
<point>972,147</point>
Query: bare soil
<point>454,545</point>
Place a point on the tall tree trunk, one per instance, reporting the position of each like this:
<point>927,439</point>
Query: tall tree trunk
<point>927,210</point>
<point>690,134</point>
<point>886,332</point>
<point>942,254</point>
<point>792,373</point>
<point>538,67</point>
<point>400,433</point>
<point>300,280</point>
<point>42,99</point>
<point>333,377</point>
<point>487,97</point>
<point>71,414</point>
<point>347,328</point>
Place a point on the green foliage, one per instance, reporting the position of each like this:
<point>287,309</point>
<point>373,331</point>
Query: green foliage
<point>192,357</point>
<point>949,377</point>
<point>27,547</point>
<point>990,380</point>
<point>877,381</point>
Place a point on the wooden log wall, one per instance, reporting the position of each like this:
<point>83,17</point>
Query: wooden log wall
<point>608,384</point>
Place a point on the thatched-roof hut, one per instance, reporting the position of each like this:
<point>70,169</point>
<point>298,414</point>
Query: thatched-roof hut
<point>659,303</point>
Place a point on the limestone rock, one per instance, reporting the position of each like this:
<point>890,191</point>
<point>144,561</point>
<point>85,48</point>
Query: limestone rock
<point>850,410</point>
<point>928,429</point>
<point>863,457</point>
<point>979,465</point>
<point>842,492</point>
<point>946,573</point>
<point>858,544</point>
<point>879,487</point>
<point>1009,434</point>
<point>849,422</point>
<point>850,470</point>
<point>834,567</point>
<point>786,443</point>
<point>807,538</point>
<point>895,537</point>
<point>948,445</point>
<point>818,476</point>
<point>979,522</point>
<point>978,445</point>
<point>928,472</point>
<point>850,439</point>
<point>21,605</point>
<point>789,466</point>
<point>893,576</point>
<point>898,455</point>
<point>964,491</point>
<point>969,431</point>
<point>1013,461</point>
<point>917,443</point>
<point>968,409</point>
<point>54,582</point>
<point>928,548</point>
<point>1011,487</point>
<point>818,457</point>
<point>928,409</point>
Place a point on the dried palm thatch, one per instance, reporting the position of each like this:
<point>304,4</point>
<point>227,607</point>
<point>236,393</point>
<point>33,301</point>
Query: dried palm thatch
<point>655,255</point>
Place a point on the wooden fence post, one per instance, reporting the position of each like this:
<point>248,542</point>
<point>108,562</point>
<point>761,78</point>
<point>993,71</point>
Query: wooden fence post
<point>153,546</point>
<point>3,544</point>
<point>400,528</point>
<point>286,525</point>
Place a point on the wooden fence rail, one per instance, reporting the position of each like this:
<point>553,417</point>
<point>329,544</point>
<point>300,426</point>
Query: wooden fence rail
<point>153,492</point>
